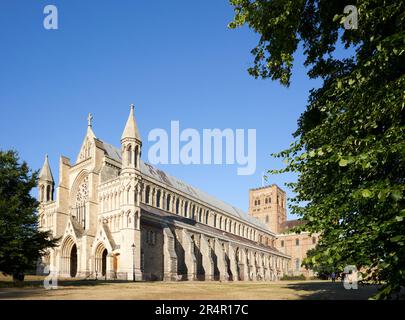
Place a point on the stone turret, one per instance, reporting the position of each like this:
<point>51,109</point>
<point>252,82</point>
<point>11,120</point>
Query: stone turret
<point>131,145</point>
<point>46,183</point>
<point>131,185</point>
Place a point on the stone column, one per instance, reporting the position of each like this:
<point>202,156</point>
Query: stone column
<point>244,265</point>
<point>260,266</point>
<point>221,261</point>
<point>169,256</point>
<point>266,268</point>
<point>233,265</point>
<point>189,256</point>
<point>253,268</point>
<point>207,262</point>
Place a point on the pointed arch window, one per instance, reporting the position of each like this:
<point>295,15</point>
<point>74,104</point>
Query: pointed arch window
<point>136,156</point>
<point>129,155</point>
<point>168,200</point>
<point>177,206</point>
<point>81,198</point>
<point>147,193</point>
<point>158,196</point>
<point>186,209</point>
<point>42,194</point>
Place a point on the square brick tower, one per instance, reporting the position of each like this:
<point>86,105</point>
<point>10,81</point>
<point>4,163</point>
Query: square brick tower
<point>268,204</point>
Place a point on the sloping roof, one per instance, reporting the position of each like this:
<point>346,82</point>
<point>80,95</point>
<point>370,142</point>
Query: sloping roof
<point>112,151</point>
<point>149,210</point>
<point>289,224</point>
<point>77,228</point>
<point>109,236</point>
<point>159,175</point>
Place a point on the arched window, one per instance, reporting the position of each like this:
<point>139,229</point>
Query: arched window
<point>297,242</point>
<point>158,195</point>
<point>193,213</point>
<point>186,209</point>
<point>48,193</point>
<point>129,155</point>
<point>42,194</point>
<point>147,194</point>
<point>177,206</point>
<point>151,238</point>
<point>282,243</point>
<point>136,156</point>
<point>168,200</point>
<point>200,215</point>
<point>313,240</point>
<point>136,222</point>
<point>267,219</point>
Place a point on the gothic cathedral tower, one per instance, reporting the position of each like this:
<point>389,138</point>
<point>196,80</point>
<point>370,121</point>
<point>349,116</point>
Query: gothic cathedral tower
<point>131,182</point>
<point>268,204</point>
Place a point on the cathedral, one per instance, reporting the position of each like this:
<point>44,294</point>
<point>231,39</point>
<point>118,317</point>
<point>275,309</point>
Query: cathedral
<point>118,217</point>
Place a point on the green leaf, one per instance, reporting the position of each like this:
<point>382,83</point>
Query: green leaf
<point>396,195</point>
<point>343,162</point>
<point>397,238</point>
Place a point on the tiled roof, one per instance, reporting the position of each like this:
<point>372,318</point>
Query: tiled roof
<point>288,225</point>
<point>159,175</point>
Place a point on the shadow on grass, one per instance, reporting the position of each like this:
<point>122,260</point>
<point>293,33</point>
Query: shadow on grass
<point>61,282</point>
<point>333,291</point>
<point>34,289</point>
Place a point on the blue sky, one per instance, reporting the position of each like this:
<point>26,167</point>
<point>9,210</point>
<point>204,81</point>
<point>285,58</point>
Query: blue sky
<point>175,60</point>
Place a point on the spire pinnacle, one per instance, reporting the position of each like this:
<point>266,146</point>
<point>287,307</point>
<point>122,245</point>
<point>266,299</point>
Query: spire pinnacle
<point>46,173</point>
<point>131,128</point>
<point>89,120</point>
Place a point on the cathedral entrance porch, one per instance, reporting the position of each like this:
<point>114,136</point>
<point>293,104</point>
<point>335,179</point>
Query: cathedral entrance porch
<point>69,260</point>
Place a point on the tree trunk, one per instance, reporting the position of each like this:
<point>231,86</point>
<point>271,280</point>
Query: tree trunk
<point>18,278</point>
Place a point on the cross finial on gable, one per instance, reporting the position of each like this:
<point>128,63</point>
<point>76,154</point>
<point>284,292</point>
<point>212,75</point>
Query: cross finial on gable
<point>89,119</point>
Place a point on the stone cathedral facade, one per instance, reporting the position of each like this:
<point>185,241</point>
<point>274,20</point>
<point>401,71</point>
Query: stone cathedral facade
<point>118,217</point>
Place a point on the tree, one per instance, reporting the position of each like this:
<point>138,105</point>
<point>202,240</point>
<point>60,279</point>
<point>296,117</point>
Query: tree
<point>21,243</point>
<point>349,147</point>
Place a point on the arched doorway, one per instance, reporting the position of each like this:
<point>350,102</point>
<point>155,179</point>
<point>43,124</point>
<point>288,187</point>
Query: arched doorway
<point>69,261</point>
<point>101,255</point>
<point>104,263</point>
<point>73,261</point>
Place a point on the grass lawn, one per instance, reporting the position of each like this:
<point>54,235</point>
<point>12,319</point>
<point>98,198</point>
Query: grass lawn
<point>95,290</point>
